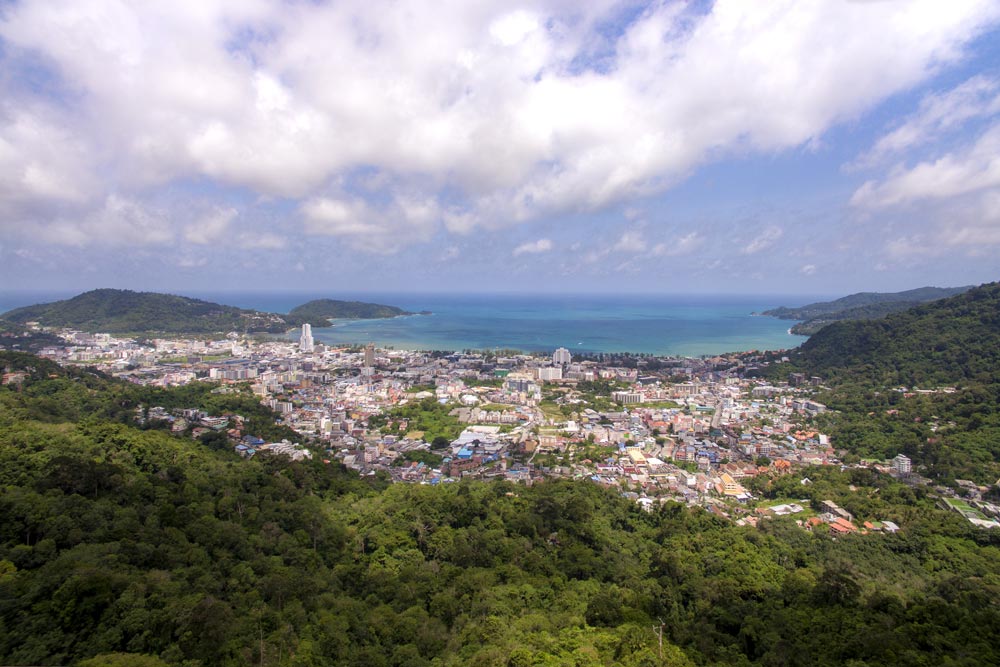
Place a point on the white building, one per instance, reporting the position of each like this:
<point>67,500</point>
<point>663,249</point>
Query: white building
<point>306,339</point>
<point>902,465</point>
<point>561,356</point>
<point>549,374</point>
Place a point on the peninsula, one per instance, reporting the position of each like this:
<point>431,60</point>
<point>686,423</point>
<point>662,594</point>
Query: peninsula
<point>859,306</point>
<point>124,311</point>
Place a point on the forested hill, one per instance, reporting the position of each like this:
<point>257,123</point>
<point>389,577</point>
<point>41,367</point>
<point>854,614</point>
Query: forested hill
<point>861,299</point>
<point>870,312</point>
<point>321,310</point>
<point>949,349</point>
<point>125,311</point>
<point>122,546</point>
<point>953,340</point>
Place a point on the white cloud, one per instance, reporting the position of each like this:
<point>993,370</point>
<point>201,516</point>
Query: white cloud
<point>533,247</point>
<point>497,108</point>
<point>949,200</point>
<point>211,227</point>
<point>383,229</point>
<point>336,217</point>
<point>808,269</point>
<point>907,247</point>
<point>682,245</point>
<point>975,168</point>
<point>41,162</point>
<point>119,222</point>
<point>261,241</point>
<point>192,262</point>
<point>939,113</point>
<point>631,242</point>
<point>762,241</point>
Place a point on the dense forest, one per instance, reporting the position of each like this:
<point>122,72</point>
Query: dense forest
<point>925,383</point>
<point>125,311</point>
<point>954,340</point>
<point>864,299</point>
<point>872,311</point>
<point>321,310</point>
<point>118,542</point>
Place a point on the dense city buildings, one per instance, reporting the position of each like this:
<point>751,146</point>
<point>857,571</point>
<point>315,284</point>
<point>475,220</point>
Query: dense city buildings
<point>697,430</point>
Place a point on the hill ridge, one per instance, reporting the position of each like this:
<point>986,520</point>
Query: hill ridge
<point>111,310</point>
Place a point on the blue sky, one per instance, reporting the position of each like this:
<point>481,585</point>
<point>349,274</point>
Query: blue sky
<point>784,147</point>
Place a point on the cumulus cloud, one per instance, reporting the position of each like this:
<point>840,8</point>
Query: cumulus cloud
<point>939,113</point>
<point>42,164</point>
<point>974,168</point>
<point>507,114</point>
<point>210,228</point>
<point>948,198</point>
<point>533,247</point>
<point>119,221</point>
<point>382,228</point>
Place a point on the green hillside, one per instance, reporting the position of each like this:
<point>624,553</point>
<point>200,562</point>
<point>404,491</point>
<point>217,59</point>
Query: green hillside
<point>125,311</point>
<point>860,306</point>
<point>924,382</point>
<point>871,311</point>
<point>950,341</point>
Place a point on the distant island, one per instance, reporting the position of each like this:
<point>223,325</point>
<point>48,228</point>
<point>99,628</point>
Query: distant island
<point>125,311</point>
<point>859,306</point>
<point>321,310</point>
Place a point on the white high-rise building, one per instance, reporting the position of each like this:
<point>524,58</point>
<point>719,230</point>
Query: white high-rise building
<point>561,356</point>
<point>306,339</point>
<point>902,465</point>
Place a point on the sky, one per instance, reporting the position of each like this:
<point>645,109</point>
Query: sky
<point>785,147</point>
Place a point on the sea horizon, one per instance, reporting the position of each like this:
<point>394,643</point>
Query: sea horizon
<point>684,325</point>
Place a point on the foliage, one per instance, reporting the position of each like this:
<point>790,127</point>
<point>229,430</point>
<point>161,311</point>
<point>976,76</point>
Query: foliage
<point>427,415</point>
<point>833,309</point>
<point>119,544</point>
<point>873,368</point>
<point>321,310</point>
<point>125,311</point>
<point>870,312</point>
<point>495,383</point>
<point>420,456</point>
<point>955,340</point>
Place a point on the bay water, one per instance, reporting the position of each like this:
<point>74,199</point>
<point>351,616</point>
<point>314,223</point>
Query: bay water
<point>680,325</point>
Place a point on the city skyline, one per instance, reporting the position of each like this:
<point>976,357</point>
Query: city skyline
<point>712,147</point>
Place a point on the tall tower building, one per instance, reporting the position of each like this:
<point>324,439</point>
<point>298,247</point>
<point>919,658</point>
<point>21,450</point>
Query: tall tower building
<point>369,355</point>
<point>306,339</point>
<point>561,356</point>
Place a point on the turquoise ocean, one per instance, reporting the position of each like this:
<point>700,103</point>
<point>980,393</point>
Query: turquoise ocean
<point>656,324</point>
